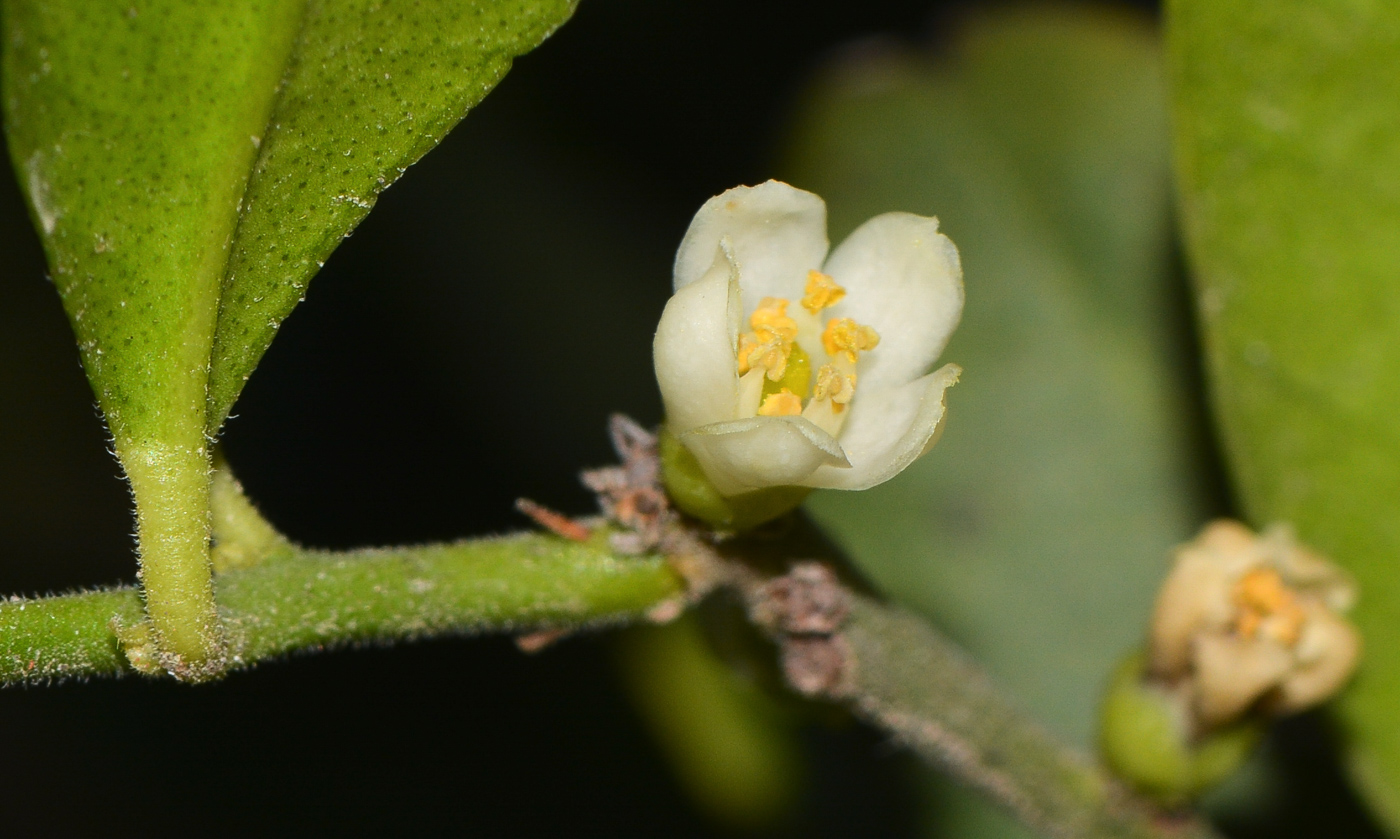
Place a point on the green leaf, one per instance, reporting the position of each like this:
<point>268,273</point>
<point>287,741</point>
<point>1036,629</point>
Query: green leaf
<point>189,165</point>
<point>1288,145</point>
<point>1038,528</point>
<point>371,87</point>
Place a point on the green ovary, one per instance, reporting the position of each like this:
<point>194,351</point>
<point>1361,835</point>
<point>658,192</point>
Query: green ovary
<point>797,378</point>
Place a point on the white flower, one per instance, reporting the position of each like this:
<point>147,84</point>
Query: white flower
<point>782,366</point>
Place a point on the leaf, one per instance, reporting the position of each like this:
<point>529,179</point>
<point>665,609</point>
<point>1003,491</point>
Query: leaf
<point>189,165</point>
<point>132,134</point>
<point>1038,528</point>
<point>371,87</point>
<point>1288,149</point>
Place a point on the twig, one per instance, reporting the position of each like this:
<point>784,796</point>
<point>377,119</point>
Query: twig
<point>898,673</point>
<point>889,666</point>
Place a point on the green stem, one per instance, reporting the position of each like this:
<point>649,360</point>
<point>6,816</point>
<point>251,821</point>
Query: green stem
<point>516,583</point>
<point>69,635</point>
<point>299,599</point>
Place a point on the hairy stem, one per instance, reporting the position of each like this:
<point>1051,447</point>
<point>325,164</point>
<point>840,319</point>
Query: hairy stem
<point>906,678</point>
<point>513,584</point>
<point>889,666</point>
<point>298,599</point>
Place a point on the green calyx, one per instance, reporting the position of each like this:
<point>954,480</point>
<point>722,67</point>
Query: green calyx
<point>694,495</point>
<point>1143,737</point>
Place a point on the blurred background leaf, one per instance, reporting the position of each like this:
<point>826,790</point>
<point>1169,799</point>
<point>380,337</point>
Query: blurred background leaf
<point>731,743</point>
<point>1288,145</point>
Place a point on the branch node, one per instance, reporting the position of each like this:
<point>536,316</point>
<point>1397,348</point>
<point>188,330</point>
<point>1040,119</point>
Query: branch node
<point>138,643</point>
<point>808,600</point>
<point>631,494</point>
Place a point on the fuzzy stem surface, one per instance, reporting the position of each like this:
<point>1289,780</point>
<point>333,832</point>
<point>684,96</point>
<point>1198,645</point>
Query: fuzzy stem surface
<point>298,599</point>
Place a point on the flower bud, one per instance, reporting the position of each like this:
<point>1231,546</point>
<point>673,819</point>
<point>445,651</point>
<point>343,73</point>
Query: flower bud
<point>1147,737</point>
<point>1245,628</point>
<point>1253,622</point>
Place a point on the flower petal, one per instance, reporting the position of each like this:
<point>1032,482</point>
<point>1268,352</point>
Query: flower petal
<point>1233,671</point>
<point>1195,597</point>
<point>1327,654</point>
<point>744,455</point>
<point>888,430</point>
<point>694,348</point>
<point>777,234</point>
<point>903,278</point>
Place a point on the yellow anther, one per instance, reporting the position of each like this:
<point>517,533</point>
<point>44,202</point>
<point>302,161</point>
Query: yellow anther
<point>834,385</point>
<point>822,292</point>
<point>771,354</point>
<point>844,335</point>
<point>784,403</point>
<point>770,342</point>
<point>770,320</point>
<point>1265,602</point>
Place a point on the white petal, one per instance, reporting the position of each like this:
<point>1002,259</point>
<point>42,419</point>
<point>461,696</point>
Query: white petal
<point>903,278</point>
<point>1232,672</point>
<point>1194,598</point>
<point>777,234</point>
<point>744,455</point>
<point>694,349</point>
<point>888,430</point>
<point>1327,654</point>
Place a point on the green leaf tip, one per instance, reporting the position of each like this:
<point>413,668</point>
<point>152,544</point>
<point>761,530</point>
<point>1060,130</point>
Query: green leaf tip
<point>369,89</point>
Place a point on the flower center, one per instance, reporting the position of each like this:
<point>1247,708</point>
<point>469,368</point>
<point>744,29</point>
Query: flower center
<point>1267,605</point>
<point>775,371</point>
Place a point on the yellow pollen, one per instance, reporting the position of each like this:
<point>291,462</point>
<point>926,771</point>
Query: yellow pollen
<point>771,317</point>
<point>772,355</point>
<point>844,335</point>
<point>822,292</point>
<point>1261,595</point>
<point>784,403</point>
<point>770,343</point>
<point>834,385</point>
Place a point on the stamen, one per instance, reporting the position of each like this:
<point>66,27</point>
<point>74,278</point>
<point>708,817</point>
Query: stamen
<point>822,292</point>
<point>772,355</point>
<point>770,343</point>
<point>1266,603</point>
<point>835,385</point>
<point>849,338</point>
<point>784,403</point>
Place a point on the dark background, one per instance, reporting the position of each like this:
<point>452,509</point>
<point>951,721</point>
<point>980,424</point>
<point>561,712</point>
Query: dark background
<point>464,348</point>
